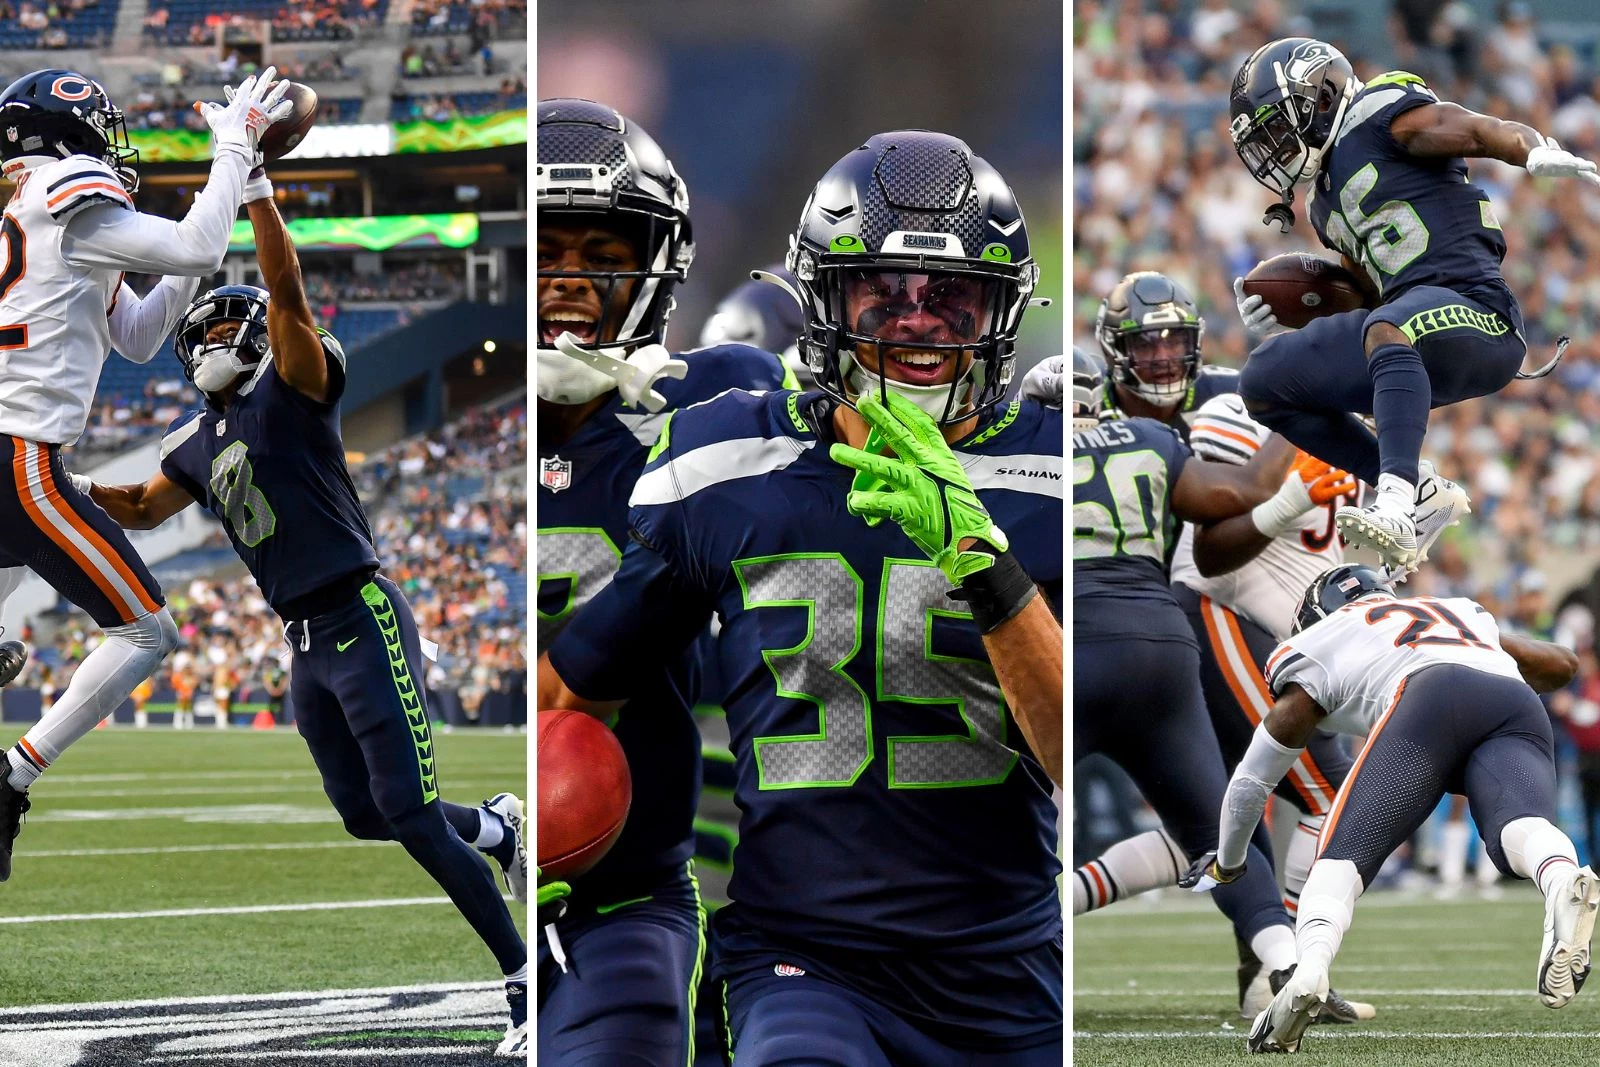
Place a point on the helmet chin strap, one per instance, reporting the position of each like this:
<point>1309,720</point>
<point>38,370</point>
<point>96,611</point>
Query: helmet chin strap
<point>930,399</point>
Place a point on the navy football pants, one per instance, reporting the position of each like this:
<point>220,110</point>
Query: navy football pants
<point>633,968</point>
<point>1306,383</point>
<point>1139,703</point>
<point>1452,729</point>
<point>356,686</point>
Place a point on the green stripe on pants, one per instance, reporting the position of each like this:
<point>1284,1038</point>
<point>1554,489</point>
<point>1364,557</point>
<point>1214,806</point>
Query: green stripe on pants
<point>410,699</point>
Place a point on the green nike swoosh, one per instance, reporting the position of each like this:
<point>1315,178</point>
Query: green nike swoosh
<point>607,909</point>
<point>342,645</point>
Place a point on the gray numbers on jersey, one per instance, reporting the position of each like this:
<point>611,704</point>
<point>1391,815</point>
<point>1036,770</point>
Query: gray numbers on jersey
<point>1128,527</point>
<point>582,556</point>
<point>244,505</point>
<point>1384,242</point>
<point>962,696</point>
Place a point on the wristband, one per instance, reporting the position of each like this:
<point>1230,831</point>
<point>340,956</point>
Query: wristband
<point>257,186</point>
<point>997,593</point>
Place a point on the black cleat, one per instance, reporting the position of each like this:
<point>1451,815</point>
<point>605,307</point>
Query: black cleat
<point>1335,1009</point>
<point>13,806</point>
<point>13,657</point>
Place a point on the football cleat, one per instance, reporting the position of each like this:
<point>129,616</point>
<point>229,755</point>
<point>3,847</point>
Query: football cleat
<point>13,806</point>
<point>1280,1027</point>
<point>1569,916</point>
<point>515,1043</point>
<point>515,872</point>
<point>13,657</point>
<point>1378,526</point>
<point>1335,1008</point>
<point>1440,504</point>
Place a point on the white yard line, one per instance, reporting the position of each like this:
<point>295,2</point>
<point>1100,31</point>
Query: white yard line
<point>235,998</point>
<point>252,909</point>
<point>1526,991</point>
<point>162,850</point>
<point>1353,1034</point>
<point>364,1052</point>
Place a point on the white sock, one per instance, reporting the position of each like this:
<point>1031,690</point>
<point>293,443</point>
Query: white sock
<point>519,976</point>
<point>1327,907</point>
<point>1397,494</point>
<point>1274,947</point>
<point>1297,860</point>
<point>1136,865</point>
<point>1453,853</point>
<point>105,678</point>
<point>1537,850</point>
<point>491,830</point>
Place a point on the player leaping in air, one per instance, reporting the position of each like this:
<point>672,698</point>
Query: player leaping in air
<point>267,443</point>
<point>1387,162</point>
<point>68,233</point>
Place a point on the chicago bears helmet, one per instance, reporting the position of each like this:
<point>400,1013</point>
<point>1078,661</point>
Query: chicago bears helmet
<point>917,229</point>
<point>1150,329</point>
<point>212,364</point>
<point>1333,589</point>
<point>52,114</point>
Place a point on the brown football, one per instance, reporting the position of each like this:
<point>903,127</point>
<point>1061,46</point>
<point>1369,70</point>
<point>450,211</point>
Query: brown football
<point>285,135</point>
<point>1301,287</point>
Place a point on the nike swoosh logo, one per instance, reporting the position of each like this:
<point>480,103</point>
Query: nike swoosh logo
<point>342,645</point>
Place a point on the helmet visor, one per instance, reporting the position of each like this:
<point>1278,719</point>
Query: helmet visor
<point>919,310</point>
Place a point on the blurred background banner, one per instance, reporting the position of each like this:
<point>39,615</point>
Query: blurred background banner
<point>753,102</point>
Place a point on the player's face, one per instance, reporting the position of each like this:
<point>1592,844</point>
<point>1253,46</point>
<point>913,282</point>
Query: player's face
<point>917,309</point>
<point>1159,356</point>
<point>223,332</point>
<point>575,304</point>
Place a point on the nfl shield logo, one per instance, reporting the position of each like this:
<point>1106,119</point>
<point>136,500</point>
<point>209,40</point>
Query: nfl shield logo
<point>555,473</point>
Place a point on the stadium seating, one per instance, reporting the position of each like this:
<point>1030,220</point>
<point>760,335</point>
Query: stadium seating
<point>85,28</point>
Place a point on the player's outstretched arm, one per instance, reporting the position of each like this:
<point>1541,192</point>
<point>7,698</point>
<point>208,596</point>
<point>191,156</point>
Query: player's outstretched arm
<point>1225,546</point>
<point>296,346</point>
<point>1450,130</point>
<point>140,507</point>
<point>1544,665</point>
<point>1025,652</point>
<point>1276,744</point>
<point>1211,492</point>
<point>140,327</point>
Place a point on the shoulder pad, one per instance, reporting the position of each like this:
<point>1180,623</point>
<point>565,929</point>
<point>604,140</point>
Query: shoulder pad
<point>717,368</point>
<point>736,434</point>
<point>183,427</point>
<point>1404,79</point>
<point>77,182</point>
<point>1386,94</point>
<point>1223,430</point>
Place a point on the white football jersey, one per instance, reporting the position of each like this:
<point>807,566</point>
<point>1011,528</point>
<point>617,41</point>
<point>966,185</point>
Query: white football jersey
<point>1355,662</point>
<point>1267,590</point>
<point>54,336</point>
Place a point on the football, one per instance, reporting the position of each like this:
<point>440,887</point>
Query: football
<point>1301,287</point>
<point>584,792</point>
<point>283,136</point>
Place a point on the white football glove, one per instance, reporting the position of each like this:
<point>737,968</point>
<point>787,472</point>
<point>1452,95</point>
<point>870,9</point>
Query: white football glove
<point>1043,381</point>
<point>635,375</point>
<point>1256,312</point>
<point>1550,160</point>
<point>81,482</point>
<point>257,104</point>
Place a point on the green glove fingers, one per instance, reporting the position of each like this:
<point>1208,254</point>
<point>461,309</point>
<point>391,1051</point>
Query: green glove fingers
<point>550,897</point>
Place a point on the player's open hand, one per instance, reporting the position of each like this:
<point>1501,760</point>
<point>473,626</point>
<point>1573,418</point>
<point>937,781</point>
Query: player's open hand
<point>250,109</point>
<point>1550,160</point>
<point>928,493</point>
<point>1257,314</point>
<point>1324,483</point>
<point>1204,874</point>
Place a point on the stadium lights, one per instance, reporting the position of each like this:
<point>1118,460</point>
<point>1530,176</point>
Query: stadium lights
<point>488,346</point>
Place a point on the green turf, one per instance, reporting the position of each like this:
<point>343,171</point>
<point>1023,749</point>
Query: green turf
<point>156,789</point>
<point>1452,982</point>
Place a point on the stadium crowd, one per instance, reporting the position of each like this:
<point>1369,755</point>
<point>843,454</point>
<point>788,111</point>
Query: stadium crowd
<point>1157,186</point>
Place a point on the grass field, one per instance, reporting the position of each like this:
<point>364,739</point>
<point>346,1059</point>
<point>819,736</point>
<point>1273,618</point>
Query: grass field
<point>134,823</point>
<point>1452,982</point>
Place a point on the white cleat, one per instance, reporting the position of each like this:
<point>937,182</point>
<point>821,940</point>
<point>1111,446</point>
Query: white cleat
<point>515,1043</point>
<point>1569,916</point>
<point>509,808</point>
<point>1380,527</point>
<point>1440,504</point>
<point>1280,1027</point>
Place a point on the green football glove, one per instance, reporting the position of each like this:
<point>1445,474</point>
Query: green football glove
<point>928,494</point>
<point>552,899</point>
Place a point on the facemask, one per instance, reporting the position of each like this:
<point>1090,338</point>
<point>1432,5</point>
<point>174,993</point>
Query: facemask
<point>218,366</point>
<point>930,399</point>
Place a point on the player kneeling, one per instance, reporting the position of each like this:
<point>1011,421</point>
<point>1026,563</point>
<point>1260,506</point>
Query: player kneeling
<point>267,442</point>
<point>1448,705</point>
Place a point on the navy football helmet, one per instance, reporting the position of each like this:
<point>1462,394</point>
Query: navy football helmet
<point>1088,389</point>
<point>52,114</point>
<point>1333,589</point>
<point>917,226</point>
<point>213,365</point>
<point>594,163</point>
<point>1150,329</point>
<point>1288,101</point>
<point>763,315</point>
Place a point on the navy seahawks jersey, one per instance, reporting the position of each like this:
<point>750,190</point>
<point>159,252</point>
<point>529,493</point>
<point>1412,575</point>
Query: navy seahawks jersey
<point>582,515</point>
<point>1407,221</point>
<point>1123,529</point>
<point>889,802</point>
<point>271,467</point>
<point>1210,382</point>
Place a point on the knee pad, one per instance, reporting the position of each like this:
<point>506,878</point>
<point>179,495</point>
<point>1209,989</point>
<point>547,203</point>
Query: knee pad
<point>155,634</point>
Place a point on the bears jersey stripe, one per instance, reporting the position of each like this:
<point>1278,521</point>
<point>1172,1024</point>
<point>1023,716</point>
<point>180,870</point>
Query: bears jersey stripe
<point>1206,426</point>
<point>100,174</point>
<point>701,468</point>
<point>1208,448</point>
<point>98,184</point>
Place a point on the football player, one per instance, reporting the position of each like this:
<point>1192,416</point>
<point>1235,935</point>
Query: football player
<point>1448,703</point>
<point>69,232</point>
<point>267,443</point>
<point>1137,696</point>
<point>1387,164</point>
<point>894,687</point>
<point>764,316</point>
<point>614,241</point>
